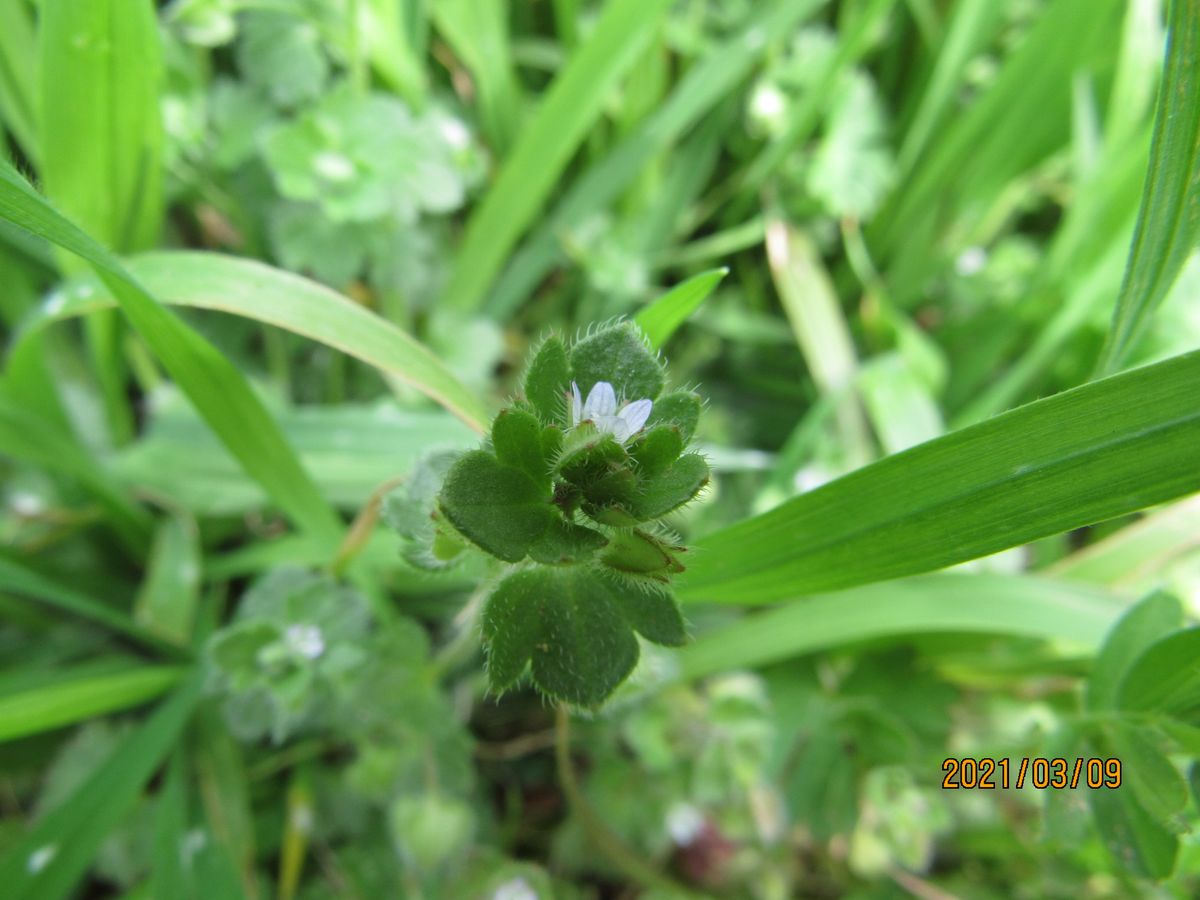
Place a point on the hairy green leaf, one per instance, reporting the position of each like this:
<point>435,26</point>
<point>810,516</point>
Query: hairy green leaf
<point>619,355</point>
<point>498,507</point>
<point>547,383</point>
<point>517,439</point>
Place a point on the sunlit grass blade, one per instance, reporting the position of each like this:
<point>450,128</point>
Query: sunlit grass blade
<point>395,36</point>
<point>18,76</point>
<point>1093,453</point>
<point>822,333</point>
<point>704,85</point>
<point>1168,226</point>
<point>101,139</point>
<point>47,862</point>
<point>75,699</point>
<point>218,390</point>
<point>101,133</point>
<point>1010,605</point>
<point>661,318</point>
<point>17,579</point>
<point>250,289</point>
<point>546,143</point>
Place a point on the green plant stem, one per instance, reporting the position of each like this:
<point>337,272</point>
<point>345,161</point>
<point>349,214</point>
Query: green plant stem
<point>605,839</point>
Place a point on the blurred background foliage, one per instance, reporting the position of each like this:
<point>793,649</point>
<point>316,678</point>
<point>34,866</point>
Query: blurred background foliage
<point>926,210</point>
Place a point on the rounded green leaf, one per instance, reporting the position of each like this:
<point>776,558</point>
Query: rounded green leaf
<point>675,487</point>
<point>1166,677</point>
<point>517,439</point>
<point>587,647</point>
<point>497,507</point>
<point>655,450</point>
<point>572,624</point>
<point>566,542</point>
<point>652,612</point>
<point>548,380</point>
<point>681,408</point>
<point>511,626</point>
<point>618,355</point>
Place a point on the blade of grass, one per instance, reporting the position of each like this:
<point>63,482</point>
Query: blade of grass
<point>218,390</point>
<point>19,77</point>
<point>256,291</point>
<point>821,331</point>
<point>15,578</point>
<point>101,141</point>
<point>902,410</point>
<point>1093,453</point>
<point>1168,227</point>
<point>75,699</point>
<point>53,856</point>
<point>168,877</point>
<point>101,134</point>
<point>1022,606</point>
<point>395,35</point>
<point>698,92</point>
<point>661,318</point>
<point>715,246</point>
<point>571,105</point>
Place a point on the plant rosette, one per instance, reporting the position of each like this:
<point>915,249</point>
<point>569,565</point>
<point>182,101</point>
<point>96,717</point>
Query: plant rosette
<point>569,491</point>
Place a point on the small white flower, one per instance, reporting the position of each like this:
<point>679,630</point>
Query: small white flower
<point>517,889</point>
<point>306,640</point>
<point>454,133</point>
<point>684,823</point>
<point>600,409</point>
<point>40,858</point>
<point>971,261</point>
<point>333,166</point>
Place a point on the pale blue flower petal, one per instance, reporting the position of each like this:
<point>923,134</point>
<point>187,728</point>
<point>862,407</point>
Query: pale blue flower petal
<point>576,405</point>
<point>601,401</point>
<point>620,429</point>
<point>635,414</point>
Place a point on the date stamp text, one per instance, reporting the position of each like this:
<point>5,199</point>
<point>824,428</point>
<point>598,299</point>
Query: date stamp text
<point>987,773</point>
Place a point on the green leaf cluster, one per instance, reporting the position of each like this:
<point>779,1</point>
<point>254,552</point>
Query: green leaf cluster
<point>295,644</point>
<point>577,506</point>
<point>1144,696</point>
